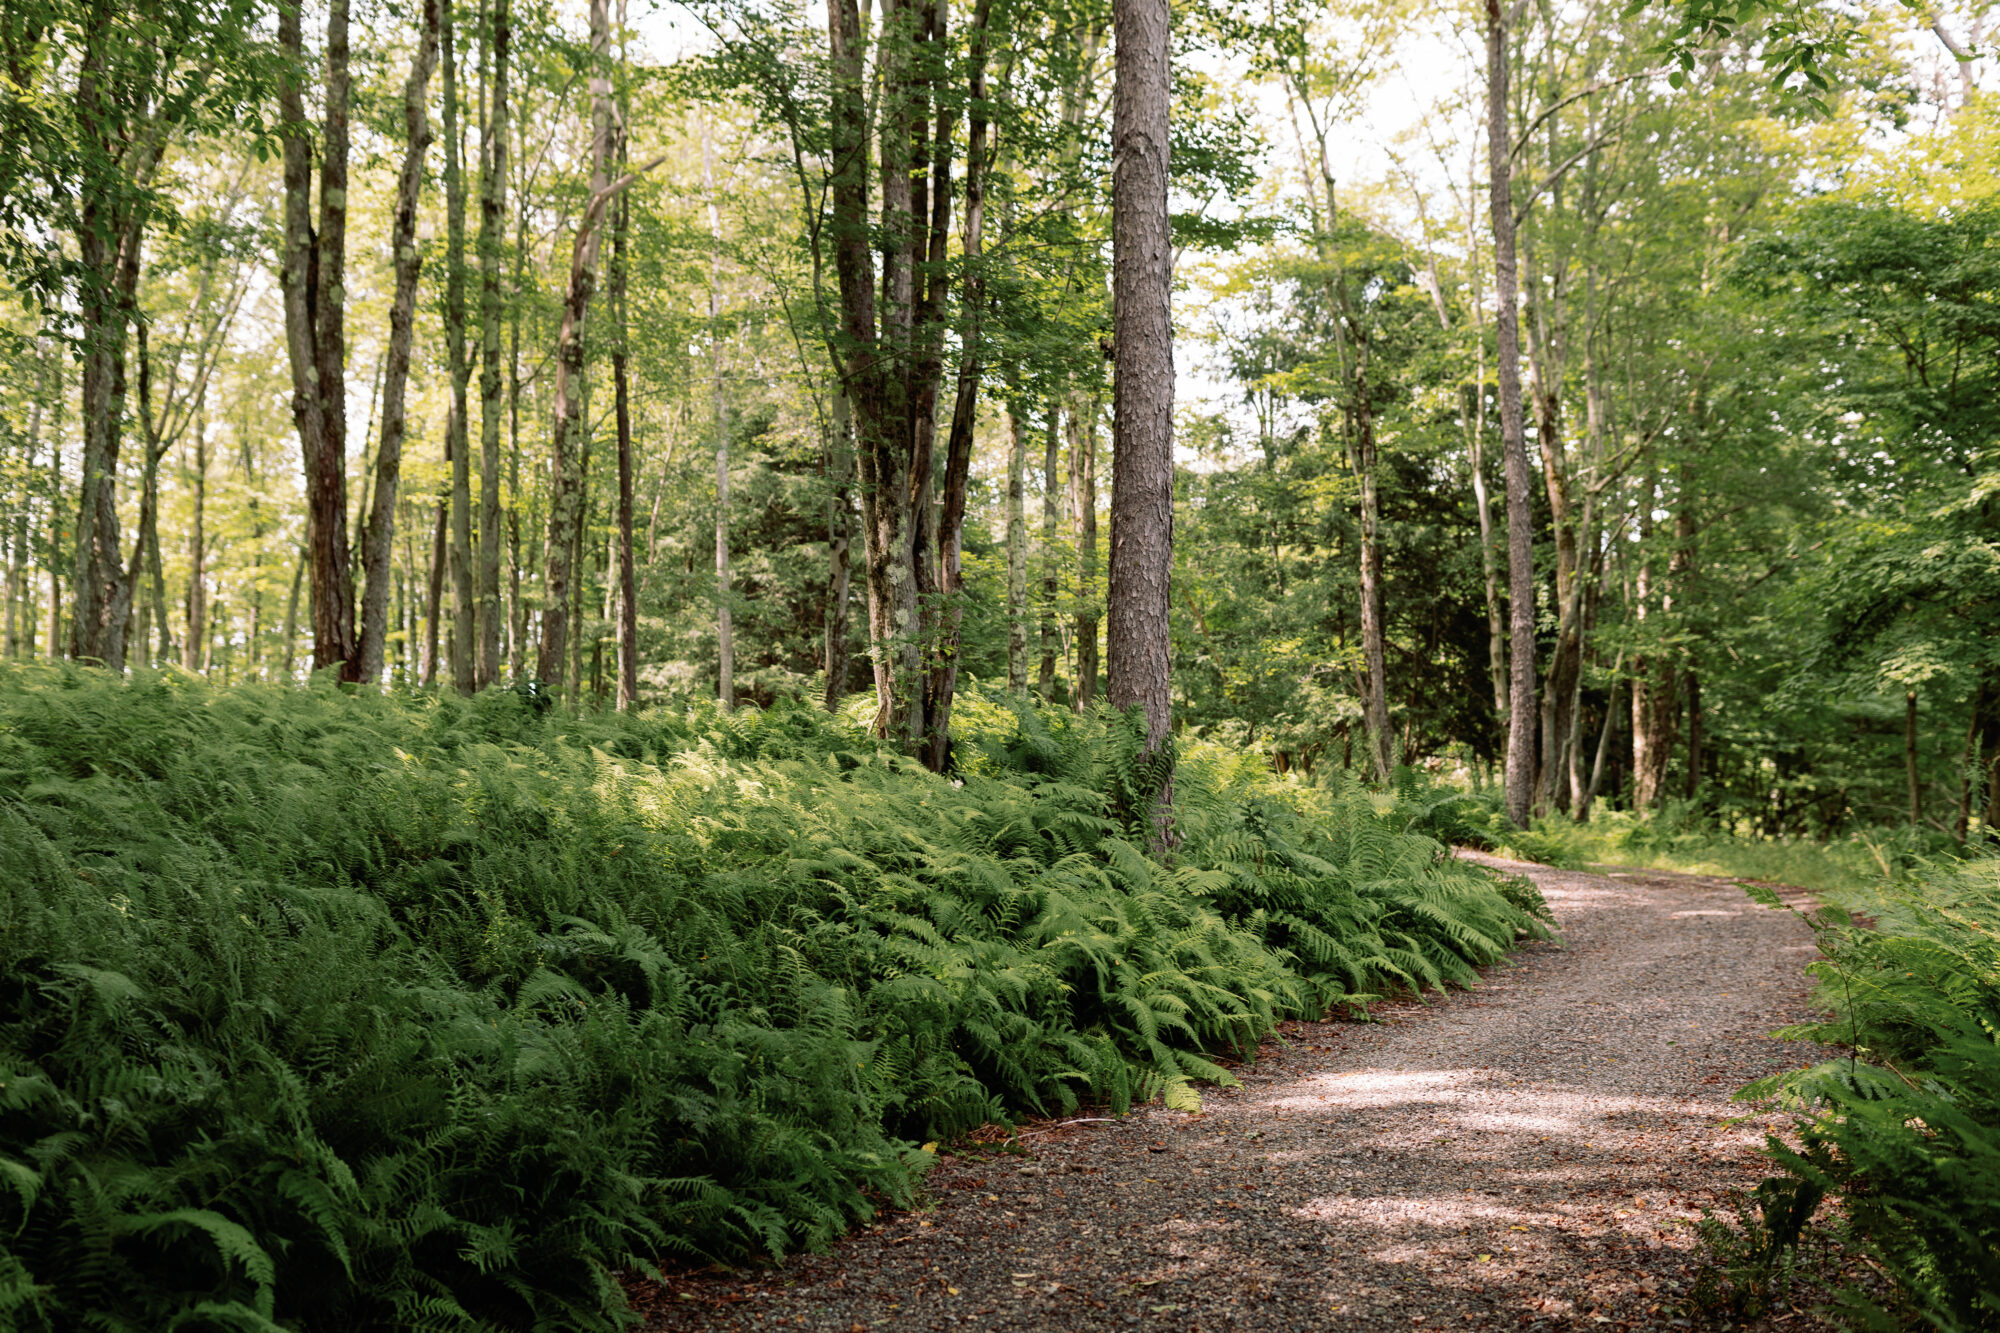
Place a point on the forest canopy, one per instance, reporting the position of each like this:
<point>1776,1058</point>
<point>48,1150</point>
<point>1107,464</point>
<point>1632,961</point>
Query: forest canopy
<point>752,351</point>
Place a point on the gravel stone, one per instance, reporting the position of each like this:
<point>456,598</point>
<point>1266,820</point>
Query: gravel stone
<point>1529,1154</point>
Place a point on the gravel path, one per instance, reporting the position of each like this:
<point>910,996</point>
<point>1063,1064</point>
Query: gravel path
<point>1527,1153</point>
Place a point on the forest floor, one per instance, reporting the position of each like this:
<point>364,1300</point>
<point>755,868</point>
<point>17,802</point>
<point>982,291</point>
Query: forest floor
<point>1530,1153</point>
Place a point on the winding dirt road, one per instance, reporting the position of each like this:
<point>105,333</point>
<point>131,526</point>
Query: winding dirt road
<point>1527,1154</point>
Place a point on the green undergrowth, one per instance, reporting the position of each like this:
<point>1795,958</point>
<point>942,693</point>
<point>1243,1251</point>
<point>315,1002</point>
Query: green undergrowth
<point>330,1011</point>
<point>1903,1134</point>
<point>1674,839</point>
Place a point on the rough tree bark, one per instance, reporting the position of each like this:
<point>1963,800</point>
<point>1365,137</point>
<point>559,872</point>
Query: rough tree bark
<point>492,218</point>
<point>313,276</point>
<point>1142,483</point>
<point>1374,650</point>
<point>464,630</point>
<point>378,537</point>
<point>888,351</point>
<point>109,232</point>
<point>101,588</point>
<point>1520,534</point>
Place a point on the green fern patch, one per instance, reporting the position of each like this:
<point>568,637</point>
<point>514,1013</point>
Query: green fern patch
<point>330,1011</point>
<point>1905,1132</point>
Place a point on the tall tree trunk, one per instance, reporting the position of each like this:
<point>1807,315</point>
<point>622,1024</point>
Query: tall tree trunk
<point>1017,542</point>
<point>840,544</point>
<point>1083,415</point>
<point>930,214</point>
<point>257,558</point>
<point>573,677</point>
<point>1496,631</point>
<point>492,218</point>
<point>725,630</point>
<point>882,404</point>
<point>313,276</point>
<point>1051,545</point>
<point>950,600</point>
<point>1546,369</point>
<point>1142,442</point>
<point>517,602</point>
<point>1655,679</point>
<point>101,589</point>
<point>888,352</point>
<point>1374,648</point>
<point>566,467</point>
<point>378,538</point>
<point>197,588</point>
<point>146,546</point>
<point>157,569</point>
<point>138,628</point>
<point>109,234</point>
<point>19,610</point>
<point>628,575</point>
<point>465,634</point>
<point>434,594</point>
<point>1604,734</point>
<point>1520,534</point>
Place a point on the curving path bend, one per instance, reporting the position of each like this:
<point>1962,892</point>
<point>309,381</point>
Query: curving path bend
<point>1529,1154</point>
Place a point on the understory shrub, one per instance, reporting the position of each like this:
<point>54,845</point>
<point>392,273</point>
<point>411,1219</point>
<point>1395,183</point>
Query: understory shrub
<point>1679,837</point>
<point>1905,1133</point>
<point>332,1011</point>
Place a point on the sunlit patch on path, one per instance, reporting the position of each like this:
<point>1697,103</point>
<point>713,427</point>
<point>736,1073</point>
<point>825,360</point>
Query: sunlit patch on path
<point>1529,1154</point>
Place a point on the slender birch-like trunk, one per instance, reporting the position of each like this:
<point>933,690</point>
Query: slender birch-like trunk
<point>627,573</point>
<point>725,630</point>
<point>464,614</point>
<point>1051,545</point>
<point>378,538</point>
<point>567,463</point>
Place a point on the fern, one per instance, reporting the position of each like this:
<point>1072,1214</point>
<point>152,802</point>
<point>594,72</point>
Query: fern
<point>329,1011</point>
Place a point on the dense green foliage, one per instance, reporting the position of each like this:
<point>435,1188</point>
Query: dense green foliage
<point>1906,1132</point>
<point>1681,837</point>
<point>340,1012</point>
